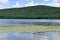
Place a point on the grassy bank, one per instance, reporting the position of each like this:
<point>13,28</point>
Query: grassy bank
<point>30,29</point>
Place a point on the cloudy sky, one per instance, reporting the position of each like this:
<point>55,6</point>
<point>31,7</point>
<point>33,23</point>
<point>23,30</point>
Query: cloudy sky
<point>25,3</point>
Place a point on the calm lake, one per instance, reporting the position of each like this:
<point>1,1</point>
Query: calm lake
<point>27,35</point>
<point>25,22</point>
<point>30,36</point>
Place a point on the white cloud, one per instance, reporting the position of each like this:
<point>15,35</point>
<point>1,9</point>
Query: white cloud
<point>44,0</point>
<point>54,3</point>
<point>1,7</point>
<point>4,1</point>
<point>17,4</point>
<point>31,3</point>
<point>17,34</point>
<point>3,36</point>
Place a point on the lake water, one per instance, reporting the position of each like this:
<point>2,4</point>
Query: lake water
<point>25,22</point>
<point>30,36</point>
<point>27,35</point>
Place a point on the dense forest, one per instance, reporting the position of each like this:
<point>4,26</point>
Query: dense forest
<point>32,12</point>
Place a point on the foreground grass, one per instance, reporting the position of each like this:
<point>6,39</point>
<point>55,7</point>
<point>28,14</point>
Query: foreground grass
<point>30,29</point>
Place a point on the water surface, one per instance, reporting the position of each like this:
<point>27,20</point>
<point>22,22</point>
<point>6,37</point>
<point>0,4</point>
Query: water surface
<point>28,35</point>
<point>25,22</point>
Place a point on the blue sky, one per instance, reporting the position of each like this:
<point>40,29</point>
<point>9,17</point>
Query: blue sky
<point>25,3</point>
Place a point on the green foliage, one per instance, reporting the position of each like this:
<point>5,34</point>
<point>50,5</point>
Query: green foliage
<point>33,12</point>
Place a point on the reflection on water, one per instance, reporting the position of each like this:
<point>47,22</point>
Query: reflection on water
<point>25,22</point>
<point>27,35</point>
<point>30,36</point>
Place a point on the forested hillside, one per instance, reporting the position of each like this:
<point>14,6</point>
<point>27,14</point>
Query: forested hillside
<point>33,12</point>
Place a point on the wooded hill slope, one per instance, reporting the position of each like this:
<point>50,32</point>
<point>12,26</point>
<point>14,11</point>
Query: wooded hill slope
<point>33,12</point>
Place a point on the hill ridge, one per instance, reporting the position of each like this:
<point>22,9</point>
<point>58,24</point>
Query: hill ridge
<point>32,12</point>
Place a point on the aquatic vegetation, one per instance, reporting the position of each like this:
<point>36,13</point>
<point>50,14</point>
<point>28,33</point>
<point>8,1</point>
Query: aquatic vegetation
<point>30,29</point>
